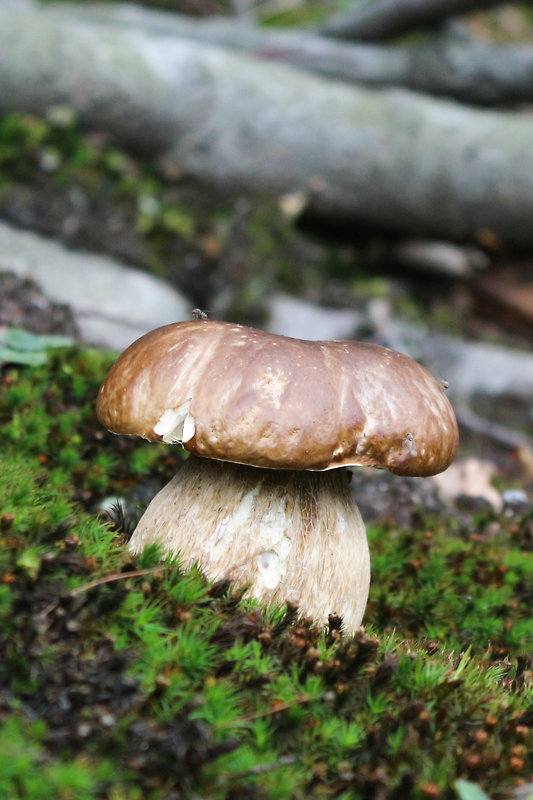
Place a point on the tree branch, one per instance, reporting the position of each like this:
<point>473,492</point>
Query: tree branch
<point>386,19</point>
<point>449,65</point>
<point>389,158</point>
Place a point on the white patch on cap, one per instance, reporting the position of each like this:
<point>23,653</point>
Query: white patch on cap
<point>189,428</point>
<point>272,384</point>
<point>176,424</point>
<point>364,446</point>
<point>409,448</point>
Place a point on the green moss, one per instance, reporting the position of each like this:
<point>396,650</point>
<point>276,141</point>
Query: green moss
<point>124,678</point>
<point>467,590</point>
<point>53,156</point>
<point>26,771</point>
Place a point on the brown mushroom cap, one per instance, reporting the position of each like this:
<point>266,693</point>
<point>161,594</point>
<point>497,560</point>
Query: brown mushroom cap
<point>238,394</point>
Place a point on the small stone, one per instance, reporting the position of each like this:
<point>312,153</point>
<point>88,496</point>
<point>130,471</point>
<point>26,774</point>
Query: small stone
<point>83,730</point>
<point>107,719</point>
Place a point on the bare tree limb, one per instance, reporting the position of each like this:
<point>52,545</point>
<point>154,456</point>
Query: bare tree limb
<point>473,70</point>
<point>367,64</point>
<point>387,158</point>
<point>449,65</point>
<point>495,431</point>
<point>385,19</point>
<point>440,258</point>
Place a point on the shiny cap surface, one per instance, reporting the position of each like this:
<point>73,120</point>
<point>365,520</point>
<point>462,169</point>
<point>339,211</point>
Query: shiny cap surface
<point>239,394</point>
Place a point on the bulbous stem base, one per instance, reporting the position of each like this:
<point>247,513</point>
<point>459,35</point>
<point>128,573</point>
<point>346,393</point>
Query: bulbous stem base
<point>286,535</point>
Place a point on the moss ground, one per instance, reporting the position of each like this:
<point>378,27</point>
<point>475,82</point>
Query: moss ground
<point>124,679</point>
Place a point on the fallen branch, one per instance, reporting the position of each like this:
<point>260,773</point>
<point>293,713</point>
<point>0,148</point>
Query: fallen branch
<point>494,431</point>
<point>368,64</point>
<point>440,258</point>
<point>472,70</point>
<point>450,65</point>
<point>385,19</point>
<point>389,159</point>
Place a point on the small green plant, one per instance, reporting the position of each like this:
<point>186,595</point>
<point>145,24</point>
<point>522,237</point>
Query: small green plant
<point>28,773</point>
<point>18,346</point>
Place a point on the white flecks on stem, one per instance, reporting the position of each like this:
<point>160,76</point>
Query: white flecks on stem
<point>285,535</point>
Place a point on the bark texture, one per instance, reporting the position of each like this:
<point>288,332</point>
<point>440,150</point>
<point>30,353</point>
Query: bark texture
<point>385,19</point>
<point>389,159</point>
<point>452,64</point>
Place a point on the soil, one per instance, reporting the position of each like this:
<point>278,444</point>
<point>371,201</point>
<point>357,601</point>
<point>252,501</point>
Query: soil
<point>23,305</point>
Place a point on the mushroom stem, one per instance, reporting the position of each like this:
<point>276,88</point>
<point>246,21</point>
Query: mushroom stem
<point>287,535</point>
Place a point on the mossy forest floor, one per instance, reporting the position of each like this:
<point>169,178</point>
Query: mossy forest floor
<point>124,679</point>
<point>132,680</point>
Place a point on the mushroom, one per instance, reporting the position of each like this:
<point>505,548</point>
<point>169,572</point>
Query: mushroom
<point>272,423</point>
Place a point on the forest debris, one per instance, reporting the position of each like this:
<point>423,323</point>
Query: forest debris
<point>495,431</point>
<point>386,19</point>
<point>469,477</point>
<point>508,293</point>
<point>442,258</point>
<point>23,305</point>
<point>452,63</point>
